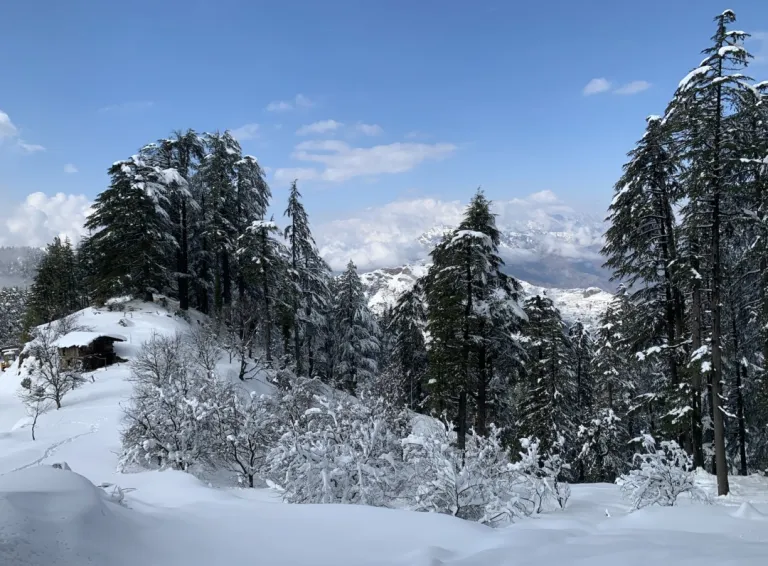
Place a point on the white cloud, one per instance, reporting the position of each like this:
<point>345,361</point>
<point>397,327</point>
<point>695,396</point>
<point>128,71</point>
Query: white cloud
<point>286,175</point>
<point>245,132</point>
<point>70,168</point>
<point>299,101</point>
<point>633,87</point>
<point>596,86</point>
<point>321,127</point>
<point>30,147</point>
<point>132,106</point>
<point>388,236</point>
<point>416,135</point>
<point>369,129</point>
<point>9,132</point>
<point>342,162</point>
<point>40,218</point>
<point>7,128</point>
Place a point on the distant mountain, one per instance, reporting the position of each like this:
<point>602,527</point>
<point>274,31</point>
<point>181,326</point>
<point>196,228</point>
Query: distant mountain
<point>543,241</point>
<point>557,250</point>
<point>18,265</point>
<point>384,286</point>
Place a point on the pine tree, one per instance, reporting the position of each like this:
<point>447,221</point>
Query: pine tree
<point>131,234</point>
<point>473,312</point>
<point>356,343</point>
<point>408,357</point>
<point>220,210</point>
<point>309,292</point>
<point>13,306</point>
<point>702,113</point>
<point>55,291</point>
<point>182,152</point>
<point>548,404</point>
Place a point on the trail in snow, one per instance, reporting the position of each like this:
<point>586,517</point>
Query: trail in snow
<point>53,447</point>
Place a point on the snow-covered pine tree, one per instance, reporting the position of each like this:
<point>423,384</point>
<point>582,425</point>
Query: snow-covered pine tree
<point>131,232</point>
<point>182,152</point>
<point>55,292</point>
<point>473,313</point>
<point>356,343</point>
<point>219,214</point>
<point>310,274</point>
<point>547,407</point>
<point>642,250</point>
<point>13,306</point>
<point>702,114</point>
<point>408,361</point>
<point>265,264</point>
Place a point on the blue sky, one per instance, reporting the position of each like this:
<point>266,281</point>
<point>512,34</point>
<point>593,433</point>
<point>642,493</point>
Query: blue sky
<point>413,98</point>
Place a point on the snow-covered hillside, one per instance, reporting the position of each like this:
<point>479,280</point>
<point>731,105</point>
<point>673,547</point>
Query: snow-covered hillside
<point>384,286</point>
<point>52,516</point>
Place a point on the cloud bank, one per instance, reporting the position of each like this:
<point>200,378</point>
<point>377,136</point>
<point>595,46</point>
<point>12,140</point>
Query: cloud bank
<point>41,217</point>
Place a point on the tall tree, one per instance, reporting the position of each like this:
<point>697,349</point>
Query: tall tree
<point>56,291</point>
<point>472,313</point>
<point>309,277</point>
<point>703,114</point>
<point>131,233</point>
<point>548,407</point>
<point>356,340</point>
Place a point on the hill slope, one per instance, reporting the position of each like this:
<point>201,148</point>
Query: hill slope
<point>50,516</point>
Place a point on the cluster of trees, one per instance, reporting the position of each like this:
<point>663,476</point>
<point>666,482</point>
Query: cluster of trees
<point>13,305</point>
<point>318,444</point>
<point>679,353</point>
<point>687,236</point>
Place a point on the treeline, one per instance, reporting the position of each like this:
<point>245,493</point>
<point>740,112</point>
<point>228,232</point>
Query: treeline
<point>688,238</point>
<point>678,354</point>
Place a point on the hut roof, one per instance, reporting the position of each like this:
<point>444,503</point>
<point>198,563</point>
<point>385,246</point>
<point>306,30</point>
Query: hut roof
<point>82,339</point>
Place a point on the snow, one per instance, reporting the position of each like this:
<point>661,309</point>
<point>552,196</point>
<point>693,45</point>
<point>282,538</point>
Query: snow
<point>81,338</point>
<point>725,49</point>
<point>693,74</point>
<point>56,516</point>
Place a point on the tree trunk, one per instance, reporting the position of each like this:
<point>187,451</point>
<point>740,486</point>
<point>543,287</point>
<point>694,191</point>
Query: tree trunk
<point>226,277</point>
<point>482,394</point>
<point>739,400</point>
<point>717,361</point>
<point>462,428</point>
<point>697,434</point>
<point>183,260</point>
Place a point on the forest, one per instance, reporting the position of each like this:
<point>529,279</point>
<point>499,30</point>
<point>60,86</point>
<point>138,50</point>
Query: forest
<point>678,356</point>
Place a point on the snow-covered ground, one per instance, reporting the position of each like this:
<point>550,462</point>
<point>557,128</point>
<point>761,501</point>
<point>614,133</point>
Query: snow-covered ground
<point>50,516</point>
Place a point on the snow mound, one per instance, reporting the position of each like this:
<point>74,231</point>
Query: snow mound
<point>55,516</point>
<point>748,511</point>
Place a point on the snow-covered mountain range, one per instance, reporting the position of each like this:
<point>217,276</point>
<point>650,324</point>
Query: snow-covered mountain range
<point>543,240</point>
<point>384,286</point>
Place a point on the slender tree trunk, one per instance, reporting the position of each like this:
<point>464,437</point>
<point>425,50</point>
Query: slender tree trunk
<point>739,399</point>
<point>717,361</point>
<point>462,432</point>
<point>482,394</point>
<point>226,277</point>
<point>183,259</point>
<point>697,434</point>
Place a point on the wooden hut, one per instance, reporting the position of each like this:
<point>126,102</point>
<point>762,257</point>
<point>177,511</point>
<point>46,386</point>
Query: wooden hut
<point>87,350</point>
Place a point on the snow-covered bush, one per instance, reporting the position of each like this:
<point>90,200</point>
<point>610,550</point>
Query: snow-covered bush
<point>542,474</point>
<point>478,484</point>
<point>662,475</point>
<point>171,415</point>
<point>335,449</point>
<point>245,429</point>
